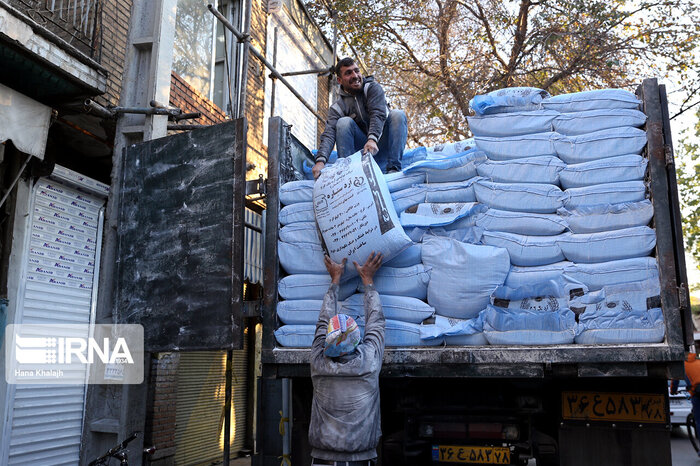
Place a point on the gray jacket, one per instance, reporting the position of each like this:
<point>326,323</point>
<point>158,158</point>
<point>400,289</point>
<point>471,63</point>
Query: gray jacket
<point>345,417</point>
<point>368,109</point>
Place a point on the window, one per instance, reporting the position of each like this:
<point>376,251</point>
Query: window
<point>204,50</point>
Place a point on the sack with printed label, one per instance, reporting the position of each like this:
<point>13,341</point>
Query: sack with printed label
<point>592,100</point>
<point>436,215</point>
<point>606,217</point>
<point>614,327</point>
<point>512,124</point>
<point>509,99</point>
<point>449,149</point>
<point>521,223</point>
<point>408,197</point>
<point>606,246</point>
<point>550,295</point>
<point>503,326</point>
<point>461,191</point>
<point>518,147</point>
<point>630,296</point>
<point>608,170</point>
<point>354,212</point>
<point>456,332</point>
<point>572,124</point>
<point>528,170</point>
<point>463,275</point>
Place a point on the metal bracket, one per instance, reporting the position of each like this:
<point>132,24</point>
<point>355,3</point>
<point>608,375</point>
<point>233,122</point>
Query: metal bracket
<point>256,186</point>
<point>668,154</point>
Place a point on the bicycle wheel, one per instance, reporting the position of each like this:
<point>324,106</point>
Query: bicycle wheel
<point>692,434</point>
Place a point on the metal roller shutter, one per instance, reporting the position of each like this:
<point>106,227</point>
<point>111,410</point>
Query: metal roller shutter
<point>200,405</point>
<point>57,287</point>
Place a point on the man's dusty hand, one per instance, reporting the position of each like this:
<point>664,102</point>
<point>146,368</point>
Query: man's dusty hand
<point>335,270</point>
<point>369,268</point>
<point>316,170</point>
<point>371,147</point>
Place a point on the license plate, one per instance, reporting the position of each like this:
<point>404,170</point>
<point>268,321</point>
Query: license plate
<point>624,407</point>
<point>471,455</point>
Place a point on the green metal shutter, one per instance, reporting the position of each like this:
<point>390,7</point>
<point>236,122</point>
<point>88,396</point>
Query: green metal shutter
<point>200,405</point>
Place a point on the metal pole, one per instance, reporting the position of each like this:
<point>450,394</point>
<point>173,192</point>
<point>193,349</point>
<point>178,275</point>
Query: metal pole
<point>260,57</point>
<point>298,73</point>
<point>274,81</point>
<point>227,408</point>
<point>243,93</point>
<point>14,182</point>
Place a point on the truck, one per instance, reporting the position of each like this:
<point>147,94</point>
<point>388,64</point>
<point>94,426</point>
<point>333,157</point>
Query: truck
<point>180,274</point>
<point>559,405</point>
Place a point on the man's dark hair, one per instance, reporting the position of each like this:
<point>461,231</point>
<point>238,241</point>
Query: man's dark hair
<point>347,61</point>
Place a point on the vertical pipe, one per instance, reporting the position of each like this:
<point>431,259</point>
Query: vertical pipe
<point>285,414</point>
<point>227,408</point>
<point>246,57</point>
<point>274,80</point>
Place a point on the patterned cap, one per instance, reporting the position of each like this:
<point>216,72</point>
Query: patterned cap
<point>342,337</point>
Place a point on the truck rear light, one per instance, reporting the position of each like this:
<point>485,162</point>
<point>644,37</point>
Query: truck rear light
<point>511,432</point>
<point>456,430</point>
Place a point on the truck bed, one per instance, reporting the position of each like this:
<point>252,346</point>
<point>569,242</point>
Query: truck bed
<point>659,359</point>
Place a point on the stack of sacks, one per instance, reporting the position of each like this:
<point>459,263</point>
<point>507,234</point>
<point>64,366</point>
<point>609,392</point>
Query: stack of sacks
<point>353,221</point>
<point>301,256</point>
<point>533,314</point>
<point>520,183</point>
<point>565,187</point>
<point>624,313</point>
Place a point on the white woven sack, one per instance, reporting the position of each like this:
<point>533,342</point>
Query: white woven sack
<point>528,170</point>
<point>600,144</point>
<point>309,286</point>
<point>521,223</point>
<point>513,123</point>
<point>607,246</point>
<point>608,170</point>
<point>608,217</point>
<point>607,193</point>
<point>296,191</point>
<point>463,275</point>
<point>526,250</point>
<point>596,276</point>
<point>520,197</point>
<point>518,147</point>
<point>355,213</point>
<point>300,232</point>
<point>592,100</point>
<point>589,121</point>
<point>297,212</point>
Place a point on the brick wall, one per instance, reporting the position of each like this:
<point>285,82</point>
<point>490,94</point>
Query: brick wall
<point>187,98</point>
<point>161,407</point>
<point>115,30</point>
<point>255,99</point>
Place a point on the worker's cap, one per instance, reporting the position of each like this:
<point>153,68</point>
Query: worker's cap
<point>342,337</point>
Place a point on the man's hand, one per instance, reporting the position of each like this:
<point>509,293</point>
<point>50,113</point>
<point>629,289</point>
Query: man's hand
<point>371,147</point>
<point>316,170</point>
<point>368,269</point>
<point>334,270</point>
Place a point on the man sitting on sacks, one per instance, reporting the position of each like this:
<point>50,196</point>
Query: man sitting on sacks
<point>345,417</point>
<point>360,119</point>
